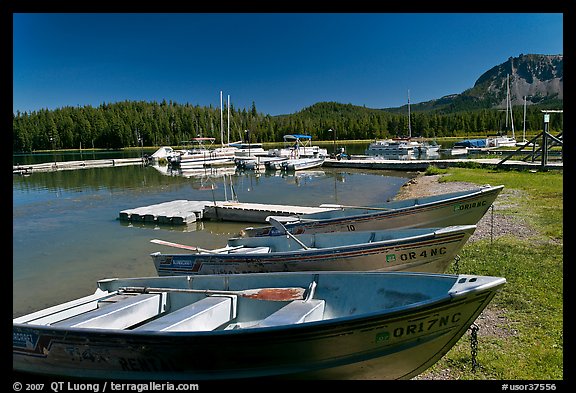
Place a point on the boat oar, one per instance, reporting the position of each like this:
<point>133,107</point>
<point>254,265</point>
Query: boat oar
<point>271,294</point>
<point>192,248</point>
<point>331,206</point>
<point>279,226</point>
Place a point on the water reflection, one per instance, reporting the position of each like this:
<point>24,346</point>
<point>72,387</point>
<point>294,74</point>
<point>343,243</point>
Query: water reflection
<point>67,233</point>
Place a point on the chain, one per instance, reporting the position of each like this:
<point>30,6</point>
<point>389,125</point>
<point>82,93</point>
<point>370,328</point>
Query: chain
<point>474,345</point>
<point>456,266</point>
<point>492,224</point>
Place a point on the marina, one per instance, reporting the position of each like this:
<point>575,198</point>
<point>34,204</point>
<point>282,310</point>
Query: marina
<point>363,162</point>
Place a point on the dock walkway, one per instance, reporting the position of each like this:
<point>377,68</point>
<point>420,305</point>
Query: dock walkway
<point>422,165</point>
<point>69,165</point>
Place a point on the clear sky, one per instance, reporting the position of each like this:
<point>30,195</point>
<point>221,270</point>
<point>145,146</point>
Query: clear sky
<point>283,62</point>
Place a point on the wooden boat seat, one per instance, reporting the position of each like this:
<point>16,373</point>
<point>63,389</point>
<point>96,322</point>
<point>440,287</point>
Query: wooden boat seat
<point>203,315</point>
<point>122,314</point>
<point>297,311</point>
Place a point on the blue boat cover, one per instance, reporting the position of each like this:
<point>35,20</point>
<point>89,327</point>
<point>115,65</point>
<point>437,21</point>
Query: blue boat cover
<point>471,143</point>
<point>297,136</point>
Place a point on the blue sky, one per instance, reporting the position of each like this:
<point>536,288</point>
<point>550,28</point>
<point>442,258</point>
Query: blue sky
<point>280,61</point>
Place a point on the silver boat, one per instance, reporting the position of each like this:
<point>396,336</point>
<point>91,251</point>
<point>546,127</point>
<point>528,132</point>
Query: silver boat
<point>333,325</point>
<point>416,249</point>
<point>456,208</point>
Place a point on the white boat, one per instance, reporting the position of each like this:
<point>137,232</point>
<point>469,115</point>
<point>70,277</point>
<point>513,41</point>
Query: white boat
<point>248,150</point>
<point>202,154</point>
<point>504,140</point>
<point>455,208</point>
<point>253,156</point>
<point>274,163</point>
<point>415,249</point>
<point>402,146</point>
<point>163,152</point>
<point>316,325</point>
<point>298,146</point>
<point>501,141</point>
<point>297,164</point>
<point>390,147</point>
<point>428,149</point>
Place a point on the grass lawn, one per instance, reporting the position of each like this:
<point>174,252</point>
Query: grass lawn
<point>526,341</point>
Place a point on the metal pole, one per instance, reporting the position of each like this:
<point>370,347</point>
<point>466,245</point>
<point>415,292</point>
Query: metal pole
<point>545,141</point>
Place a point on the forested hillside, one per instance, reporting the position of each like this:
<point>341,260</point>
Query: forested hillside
<point>476,111</point>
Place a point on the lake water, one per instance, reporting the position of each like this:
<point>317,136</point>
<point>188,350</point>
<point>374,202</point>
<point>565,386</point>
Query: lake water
<point>66,232</point>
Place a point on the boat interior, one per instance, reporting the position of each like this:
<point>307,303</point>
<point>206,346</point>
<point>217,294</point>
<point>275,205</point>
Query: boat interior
<point>392,205</point>
<point>210,303</point>
<point>265,244</point>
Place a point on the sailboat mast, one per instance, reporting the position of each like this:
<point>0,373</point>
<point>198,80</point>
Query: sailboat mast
<point>509,105</point>
<point>221,121</point>
<point>507,98</point>
<point>524,127</point>
<point>228,106</point>
<point>511,115</point>
<point>409,123</point>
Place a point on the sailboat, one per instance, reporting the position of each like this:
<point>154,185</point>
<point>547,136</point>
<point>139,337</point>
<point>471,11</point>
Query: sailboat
<point>504,140</point>
<point>402,146</point>
<point>420,148</point>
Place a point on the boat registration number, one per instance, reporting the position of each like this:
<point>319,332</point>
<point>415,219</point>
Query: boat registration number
<point>407,256</point>
<point>432,323</point>
<point>472,205</point>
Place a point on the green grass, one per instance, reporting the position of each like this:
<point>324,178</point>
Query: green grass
<point>528,344</point>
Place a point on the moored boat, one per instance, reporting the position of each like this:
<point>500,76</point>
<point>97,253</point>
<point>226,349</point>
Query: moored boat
<point>323,325</point>
<point>202,154</point>
<point>298,164</point>
<point>456,208</point>
<point>416,249</point>
<point>298,146</point>
<point>389,147</point>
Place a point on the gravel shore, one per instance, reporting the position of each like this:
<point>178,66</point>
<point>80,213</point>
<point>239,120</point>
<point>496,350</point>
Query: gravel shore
<point>493,224</point>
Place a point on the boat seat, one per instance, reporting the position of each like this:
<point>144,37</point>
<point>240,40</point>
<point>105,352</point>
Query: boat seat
<point>122,314</point>
<point>297,311</point>
<point>204,315</point>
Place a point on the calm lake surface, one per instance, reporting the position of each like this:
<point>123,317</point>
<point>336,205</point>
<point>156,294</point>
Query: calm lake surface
<point>66,232</point>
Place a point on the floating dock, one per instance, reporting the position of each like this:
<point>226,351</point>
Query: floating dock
<point>183,212</point>
<point>69,165</point>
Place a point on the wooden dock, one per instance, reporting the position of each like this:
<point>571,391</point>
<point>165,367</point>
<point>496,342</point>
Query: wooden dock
<point>183,212</point>
<point>422,165</point>
<point>69,165</point>
<point>358,161</point>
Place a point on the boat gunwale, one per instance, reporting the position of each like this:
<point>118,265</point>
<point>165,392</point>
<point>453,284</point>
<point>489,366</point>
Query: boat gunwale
<point>386,316</point>
<point>305,220</point>
<point>438,233</point>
